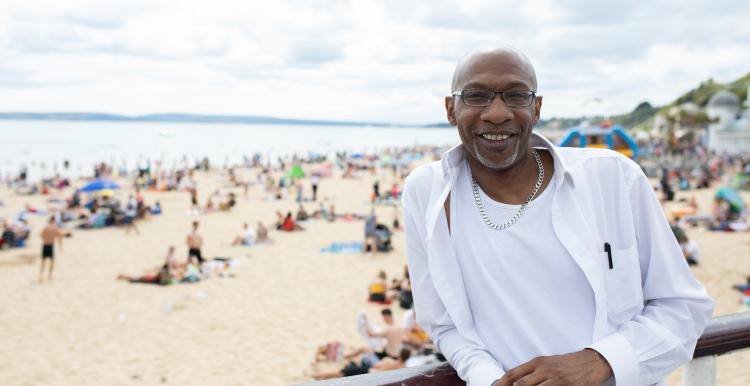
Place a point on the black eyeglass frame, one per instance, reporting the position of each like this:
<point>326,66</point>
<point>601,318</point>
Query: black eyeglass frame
<point>502,96</point>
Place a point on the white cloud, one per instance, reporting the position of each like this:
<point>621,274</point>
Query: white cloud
<point>353,60</point>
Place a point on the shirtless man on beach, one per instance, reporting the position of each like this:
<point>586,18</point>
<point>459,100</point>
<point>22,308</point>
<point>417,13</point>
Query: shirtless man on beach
<point>195,243</point>
<point>394,336</point>
<point>50,233</point>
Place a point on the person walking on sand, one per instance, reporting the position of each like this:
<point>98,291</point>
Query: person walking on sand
<point>315,181</point>
<point>195,243</point>
<point>50,233</point>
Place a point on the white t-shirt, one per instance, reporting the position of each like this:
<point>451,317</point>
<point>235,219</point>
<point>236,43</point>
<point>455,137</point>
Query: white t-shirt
<point>249,235</point>
<point>500,264</point>
<point>691,250</point>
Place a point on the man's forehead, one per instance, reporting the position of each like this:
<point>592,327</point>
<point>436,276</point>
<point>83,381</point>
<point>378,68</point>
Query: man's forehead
<point>510,65</point>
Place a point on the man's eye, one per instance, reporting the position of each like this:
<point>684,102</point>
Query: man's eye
<point>516,96</point>
<point>475,95</point>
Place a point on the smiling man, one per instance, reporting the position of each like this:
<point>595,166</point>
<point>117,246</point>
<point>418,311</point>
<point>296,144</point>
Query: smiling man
<point>533,264</point>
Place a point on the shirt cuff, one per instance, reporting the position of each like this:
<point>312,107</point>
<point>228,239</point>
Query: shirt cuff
<point>621,358</point>
<point>483,374</point>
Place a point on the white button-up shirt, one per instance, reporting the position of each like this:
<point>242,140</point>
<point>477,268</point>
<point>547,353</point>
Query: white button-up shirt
<point>649,309</point>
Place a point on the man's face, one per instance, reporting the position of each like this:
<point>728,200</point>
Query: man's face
<point>479,127</point>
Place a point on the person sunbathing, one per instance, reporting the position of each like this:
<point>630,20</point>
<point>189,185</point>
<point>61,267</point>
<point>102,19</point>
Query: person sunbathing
<point>416,337</point>
<point>302,215</point>
<point>287,223</point>
<point>158,275</point>
<point>247,238</point>
<point>368,364</point>
<point>229,204</point>
<point>321,213</point>
<point>261,234</point>
<point>377,289</point>
<point>169,272</point>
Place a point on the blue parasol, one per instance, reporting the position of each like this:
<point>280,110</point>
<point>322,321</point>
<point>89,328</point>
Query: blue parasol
<point>100,184</point>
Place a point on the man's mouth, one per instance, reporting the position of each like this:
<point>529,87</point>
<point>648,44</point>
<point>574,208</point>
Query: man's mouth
<point>496,137</point>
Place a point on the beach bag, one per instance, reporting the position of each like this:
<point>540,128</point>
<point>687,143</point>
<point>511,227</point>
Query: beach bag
<point>383,238</point>
<point>405,300</point>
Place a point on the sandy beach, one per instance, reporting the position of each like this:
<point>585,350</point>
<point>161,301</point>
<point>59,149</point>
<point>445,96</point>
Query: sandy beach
<point>260,326</point>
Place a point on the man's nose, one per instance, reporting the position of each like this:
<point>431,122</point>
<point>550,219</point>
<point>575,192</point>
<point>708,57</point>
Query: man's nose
<point>497,112</point>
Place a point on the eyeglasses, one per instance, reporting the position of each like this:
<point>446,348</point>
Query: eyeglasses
<point>482,98</point>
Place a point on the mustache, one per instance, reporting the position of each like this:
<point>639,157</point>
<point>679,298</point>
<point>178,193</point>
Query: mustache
<point>505,129</point>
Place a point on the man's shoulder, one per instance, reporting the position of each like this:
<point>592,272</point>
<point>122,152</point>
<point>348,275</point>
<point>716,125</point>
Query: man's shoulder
<point>422,177</point>
<point>425,172</point>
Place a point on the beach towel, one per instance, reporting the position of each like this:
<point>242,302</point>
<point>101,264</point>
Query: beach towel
<point>344,247</point>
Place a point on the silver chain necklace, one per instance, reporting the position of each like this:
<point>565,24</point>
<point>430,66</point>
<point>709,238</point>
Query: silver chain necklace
<point>483,213</point>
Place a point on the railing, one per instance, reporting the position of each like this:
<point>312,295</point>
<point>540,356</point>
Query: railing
<point>723,335</point>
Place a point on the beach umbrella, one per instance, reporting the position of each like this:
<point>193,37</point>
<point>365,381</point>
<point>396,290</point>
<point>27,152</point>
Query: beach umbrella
<point>296,172</point>
<point>100,184</point>
<point>732,197</point>
<point>106,193</point>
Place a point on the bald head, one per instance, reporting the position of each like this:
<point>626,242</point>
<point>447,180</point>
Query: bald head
<point>507,58</point>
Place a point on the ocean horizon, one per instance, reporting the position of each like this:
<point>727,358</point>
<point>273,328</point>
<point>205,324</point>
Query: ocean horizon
<point>43,146</point>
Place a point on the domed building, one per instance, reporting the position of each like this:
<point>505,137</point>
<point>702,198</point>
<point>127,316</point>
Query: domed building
<point>731,131</point>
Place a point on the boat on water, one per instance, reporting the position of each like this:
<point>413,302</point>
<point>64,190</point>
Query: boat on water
<point>604,137</point>
<point>166,133</point>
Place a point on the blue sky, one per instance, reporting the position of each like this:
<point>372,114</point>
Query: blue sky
<point>387,61</point>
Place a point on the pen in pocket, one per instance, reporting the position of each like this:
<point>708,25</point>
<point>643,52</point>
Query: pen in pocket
<point>608,249</point>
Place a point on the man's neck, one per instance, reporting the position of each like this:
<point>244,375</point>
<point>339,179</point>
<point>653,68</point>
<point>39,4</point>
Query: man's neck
<point>512,185</point>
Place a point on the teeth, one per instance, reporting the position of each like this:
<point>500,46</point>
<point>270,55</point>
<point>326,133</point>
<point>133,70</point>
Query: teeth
<point>495,137</point>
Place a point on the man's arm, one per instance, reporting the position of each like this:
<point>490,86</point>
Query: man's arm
<point>677,309</point>
<point>471,360</point>
<point>653,343</point>
<point>370,333</point>
<point>60,235</point>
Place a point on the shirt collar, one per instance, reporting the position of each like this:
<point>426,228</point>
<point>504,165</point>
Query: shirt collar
<point>455,156</point>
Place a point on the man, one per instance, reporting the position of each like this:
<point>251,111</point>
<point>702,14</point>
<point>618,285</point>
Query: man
<point>371,241</point>
<point>195,243</point>
<point>532,264</point>
<point>368,364</point>
<point>50,234</point>
<point>393,334</point>
<point>314,181</point>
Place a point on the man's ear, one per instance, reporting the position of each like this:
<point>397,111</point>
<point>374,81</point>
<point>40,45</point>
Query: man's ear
<point>537,108</point>
<point>449,105</point>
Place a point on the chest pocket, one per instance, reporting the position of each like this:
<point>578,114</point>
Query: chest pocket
<point>624,291</point>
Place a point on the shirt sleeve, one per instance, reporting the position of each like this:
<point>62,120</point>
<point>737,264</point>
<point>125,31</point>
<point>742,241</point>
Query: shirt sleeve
<point>677,308</point>
<point>472,361</point>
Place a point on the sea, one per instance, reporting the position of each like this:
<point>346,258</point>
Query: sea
<point>43,147</point>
